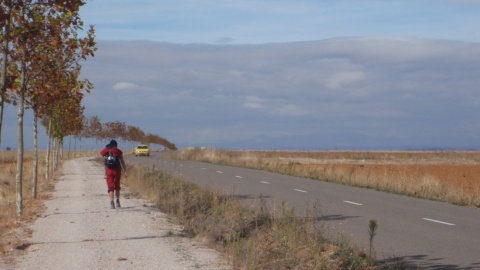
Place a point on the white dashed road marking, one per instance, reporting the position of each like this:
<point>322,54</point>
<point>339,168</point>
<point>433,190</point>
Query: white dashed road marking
<point>238,176</point>
<point>263,182</point>
<point>219,172</point>
<point>438,221</point>
<point>299,190</point>
<point>352,203</point>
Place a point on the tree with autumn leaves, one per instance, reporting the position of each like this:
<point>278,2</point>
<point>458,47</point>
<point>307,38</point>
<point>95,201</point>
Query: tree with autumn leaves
<point>94,129</point>
<point>41,50</point>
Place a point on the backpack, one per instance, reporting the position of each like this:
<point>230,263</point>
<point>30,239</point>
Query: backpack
<point>111,161</point>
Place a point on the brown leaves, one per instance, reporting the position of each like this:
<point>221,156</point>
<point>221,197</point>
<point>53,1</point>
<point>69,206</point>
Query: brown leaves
<point>46,49</point>
<point>54,42</point>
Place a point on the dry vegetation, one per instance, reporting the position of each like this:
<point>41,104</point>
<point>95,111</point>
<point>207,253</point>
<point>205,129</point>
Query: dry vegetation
<point>449,176</point>
<point>255,238</point>
<point>13,228</point>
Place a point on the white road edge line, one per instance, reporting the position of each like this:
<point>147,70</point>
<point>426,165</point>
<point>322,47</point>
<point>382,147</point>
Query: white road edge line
<point>438,221</point>
<point>266,183</point>
<point>299,190</point>
<point>352,203</point>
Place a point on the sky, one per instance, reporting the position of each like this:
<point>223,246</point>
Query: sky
<point>287,74</point>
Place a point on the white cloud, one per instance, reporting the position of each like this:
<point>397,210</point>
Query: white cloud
<point>125,86</point>
<point>358,86</point>
<point>341,79</point>
<point>253,102</point>
<point>291,110</point>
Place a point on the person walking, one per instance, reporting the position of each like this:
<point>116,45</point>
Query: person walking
<point>114,164</point>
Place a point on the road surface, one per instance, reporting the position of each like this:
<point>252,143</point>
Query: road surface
<point>427,234</point>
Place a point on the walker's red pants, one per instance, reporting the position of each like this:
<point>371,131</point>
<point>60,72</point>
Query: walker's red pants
<point>113,179</point>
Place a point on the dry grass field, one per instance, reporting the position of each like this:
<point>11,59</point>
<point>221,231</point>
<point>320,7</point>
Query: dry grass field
<point>448,176</point>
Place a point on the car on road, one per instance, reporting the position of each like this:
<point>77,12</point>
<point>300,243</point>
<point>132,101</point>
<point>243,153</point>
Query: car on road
<point>142,150</point>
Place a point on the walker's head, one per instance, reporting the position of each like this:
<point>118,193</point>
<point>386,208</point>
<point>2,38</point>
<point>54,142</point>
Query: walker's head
<point>113,143</point>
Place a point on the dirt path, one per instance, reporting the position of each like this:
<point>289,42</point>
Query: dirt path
<point>80,231</point>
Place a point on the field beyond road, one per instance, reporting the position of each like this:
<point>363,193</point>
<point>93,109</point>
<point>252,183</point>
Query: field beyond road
<point>446,176</point>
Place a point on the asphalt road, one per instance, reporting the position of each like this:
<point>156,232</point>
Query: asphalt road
<point>427,234</point>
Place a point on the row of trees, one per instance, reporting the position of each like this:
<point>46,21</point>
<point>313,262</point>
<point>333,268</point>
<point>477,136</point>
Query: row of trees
<point>94,129</point>
<point>42,45</point>
<point>43,42</point>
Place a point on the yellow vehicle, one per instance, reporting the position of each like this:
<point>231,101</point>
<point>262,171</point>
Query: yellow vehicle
<point>142,150</point>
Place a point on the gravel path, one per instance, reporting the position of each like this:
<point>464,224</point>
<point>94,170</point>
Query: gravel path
<point>80,231</point>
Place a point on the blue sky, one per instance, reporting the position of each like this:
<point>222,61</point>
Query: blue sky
<point>247,22</point>
<point>288,74</point>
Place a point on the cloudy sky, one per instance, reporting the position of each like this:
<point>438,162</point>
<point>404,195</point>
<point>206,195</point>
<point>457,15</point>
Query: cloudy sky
<point>288,74</point>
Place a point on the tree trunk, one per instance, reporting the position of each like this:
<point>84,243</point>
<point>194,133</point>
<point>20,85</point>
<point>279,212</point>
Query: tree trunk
<point>20,159</point>
<point>60,157</point>
<point>35,156</point>
<point>3,72</point>
<point>54,154</point>
<point>47,159</point>
<point>57,156</point>
<point>21,111</point>
<point>69,146</point>
<point>20,163</point>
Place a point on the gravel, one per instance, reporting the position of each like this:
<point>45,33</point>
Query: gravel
<point>78,230</point>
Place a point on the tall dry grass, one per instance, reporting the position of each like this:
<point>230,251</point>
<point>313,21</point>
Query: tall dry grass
<point>319,157</point>
<point>8,170</point>
<point>449,176</point>
<point>262,237</point>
